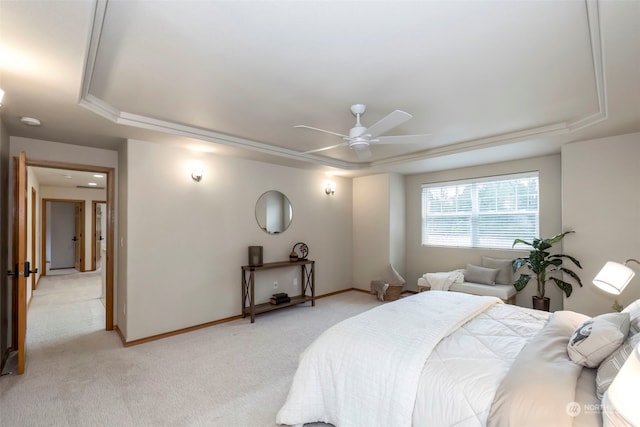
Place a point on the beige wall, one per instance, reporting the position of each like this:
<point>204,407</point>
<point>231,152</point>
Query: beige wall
<point>120,280</point>
<point>422,259</point>
<point>186,241</point>
<point>601,202</point>
<point>378,227</point>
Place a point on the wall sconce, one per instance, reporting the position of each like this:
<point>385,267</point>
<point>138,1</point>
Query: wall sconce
<point>198,170</point>
<point>330,188</point>
<point>1,96</point>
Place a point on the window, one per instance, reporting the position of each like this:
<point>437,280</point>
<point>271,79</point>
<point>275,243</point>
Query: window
<point>486,212</point>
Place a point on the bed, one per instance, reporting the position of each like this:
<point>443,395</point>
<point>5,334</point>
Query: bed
<point>446,358</point>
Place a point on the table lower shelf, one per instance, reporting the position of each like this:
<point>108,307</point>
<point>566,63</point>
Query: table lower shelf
<point>263,308</point>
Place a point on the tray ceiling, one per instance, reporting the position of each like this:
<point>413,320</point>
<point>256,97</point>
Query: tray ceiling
<point>503,77</point>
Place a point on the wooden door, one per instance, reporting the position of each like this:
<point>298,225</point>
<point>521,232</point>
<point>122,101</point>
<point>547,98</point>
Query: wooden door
<point>79,236</point>
<point>19,324</point>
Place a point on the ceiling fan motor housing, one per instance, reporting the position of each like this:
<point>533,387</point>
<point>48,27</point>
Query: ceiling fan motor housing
<point>356,131</point>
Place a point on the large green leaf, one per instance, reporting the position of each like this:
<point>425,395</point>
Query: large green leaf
<point>572,274</point>
<point>517,263</point>
<point>573,260</point>
<point>555,239</point>
<point>566,287</point>
<point>515,242</point>
<point>522,281</point>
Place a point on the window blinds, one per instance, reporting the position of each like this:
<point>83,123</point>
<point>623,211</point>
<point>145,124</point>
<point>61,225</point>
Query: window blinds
<point>488,212</point>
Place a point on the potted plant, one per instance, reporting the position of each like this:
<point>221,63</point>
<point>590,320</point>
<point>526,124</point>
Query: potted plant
<point>542,263</point>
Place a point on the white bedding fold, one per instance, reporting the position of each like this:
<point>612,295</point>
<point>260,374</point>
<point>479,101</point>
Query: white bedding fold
<point>542,380</point>
<point>442,281</point>
<point>381,351</point>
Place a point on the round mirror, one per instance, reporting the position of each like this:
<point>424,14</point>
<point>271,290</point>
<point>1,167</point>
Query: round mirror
<point>273,212</point>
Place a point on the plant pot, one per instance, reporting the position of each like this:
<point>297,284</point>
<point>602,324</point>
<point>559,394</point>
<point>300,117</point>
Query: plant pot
<point>540,303</point>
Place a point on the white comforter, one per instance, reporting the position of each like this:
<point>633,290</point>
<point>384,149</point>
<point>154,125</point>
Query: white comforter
<point>460,378</point>
<point>365,370</point>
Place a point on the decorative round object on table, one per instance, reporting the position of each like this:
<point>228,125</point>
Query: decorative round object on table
<point>301,249</point>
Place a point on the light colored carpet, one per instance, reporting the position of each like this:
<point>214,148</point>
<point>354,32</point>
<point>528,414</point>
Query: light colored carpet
<point>234,374</point>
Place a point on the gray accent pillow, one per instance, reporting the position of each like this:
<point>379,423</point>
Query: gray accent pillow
<point>505,270</point>
<point>482,275</point>
<point>594,340</point>
<point>608,369</point>
<point>634,313</point>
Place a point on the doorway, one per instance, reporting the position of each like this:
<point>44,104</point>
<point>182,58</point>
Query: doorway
<point>107,230</point>
<point>63,234</point>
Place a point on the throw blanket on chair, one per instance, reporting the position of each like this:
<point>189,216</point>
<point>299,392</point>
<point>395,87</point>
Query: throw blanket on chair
<point>442,281</point>
<point>364,371</point>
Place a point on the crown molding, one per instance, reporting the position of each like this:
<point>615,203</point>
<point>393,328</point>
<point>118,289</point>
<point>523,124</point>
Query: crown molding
<point>109,112</point>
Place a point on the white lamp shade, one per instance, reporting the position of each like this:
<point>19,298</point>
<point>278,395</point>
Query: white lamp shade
<point>620,403</point>
<point>613,277</point>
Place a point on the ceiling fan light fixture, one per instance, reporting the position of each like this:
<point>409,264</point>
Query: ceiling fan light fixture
<point>358,142</point>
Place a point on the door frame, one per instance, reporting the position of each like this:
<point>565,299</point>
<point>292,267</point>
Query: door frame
<point>94,226</point>
<point>81,249</point>
<point>110,231</point>
<point>33,220</point>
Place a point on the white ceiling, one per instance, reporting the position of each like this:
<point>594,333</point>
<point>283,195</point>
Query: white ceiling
<point>69,178</point>
<point>489,80</point>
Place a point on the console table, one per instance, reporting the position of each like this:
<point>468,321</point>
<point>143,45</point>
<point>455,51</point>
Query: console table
<point>307,285</point>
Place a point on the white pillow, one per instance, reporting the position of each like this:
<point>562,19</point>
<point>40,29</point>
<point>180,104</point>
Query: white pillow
<point>597,338</point>
<point>634,313</point>
<point>608,369</point>
<point>505,269</point>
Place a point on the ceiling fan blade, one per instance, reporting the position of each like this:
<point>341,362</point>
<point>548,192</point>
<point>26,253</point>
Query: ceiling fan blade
<point>390,121</point>
<point>320,130</point>
<point>363,153</point>
<point>402,139</point>
<point>326,148</point>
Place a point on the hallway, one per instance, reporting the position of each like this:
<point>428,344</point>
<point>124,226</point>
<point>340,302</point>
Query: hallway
<point>64,306</point>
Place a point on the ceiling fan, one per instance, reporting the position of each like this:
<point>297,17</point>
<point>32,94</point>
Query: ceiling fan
<point>361,137</point>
